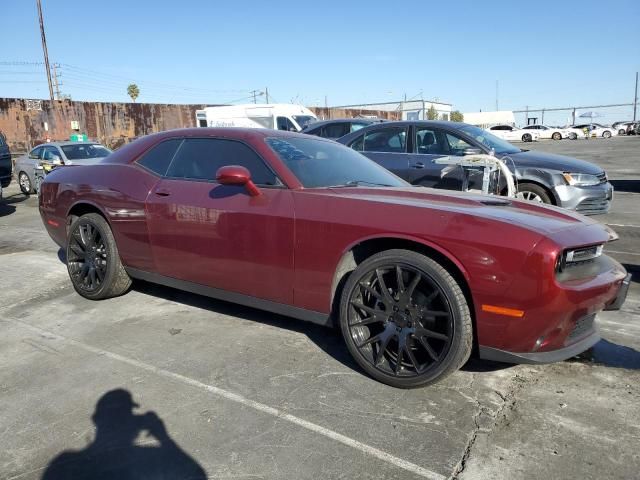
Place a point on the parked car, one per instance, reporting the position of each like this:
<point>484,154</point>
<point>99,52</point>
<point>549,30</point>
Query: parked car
<point>621,127</point>
<point>632,128</point>
<point>281,116</point>
<point>57,153</point>
<point>596,130</point>
<point>513,134</point>
<point>410,150</point>
<point>305,227</point>
<point>554,133</point>
<point>5,162</point>
<point>337,128</point>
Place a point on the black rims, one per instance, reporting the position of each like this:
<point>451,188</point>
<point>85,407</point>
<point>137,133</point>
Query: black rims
<point>93,261</point>
<point>405,319</point>
<point>87,257</point>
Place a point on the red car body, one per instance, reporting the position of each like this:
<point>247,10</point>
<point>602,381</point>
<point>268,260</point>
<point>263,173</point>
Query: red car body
<point>287,248</point>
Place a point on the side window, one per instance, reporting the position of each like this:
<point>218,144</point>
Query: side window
<point>392,140</point>
<point>357,126</point>
<point>358,144</point>
<point>36,153</point>
<point>50,153</point>
<point>430,142</point>
<point>457,146</point>
<point>285,124</point>
<point>200,159</point>
<point>336,130</point>
<point>159,157</point>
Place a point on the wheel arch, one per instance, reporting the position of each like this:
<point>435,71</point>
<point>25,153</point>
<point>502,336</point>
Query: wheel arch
<point>82,207</point>
<point>541,184</point>
<point>359,251</point>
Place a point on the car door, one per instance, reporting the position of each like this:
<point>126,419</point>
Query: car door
<point>386,146</point>
<point>429,145</point>
<point>218,235</point>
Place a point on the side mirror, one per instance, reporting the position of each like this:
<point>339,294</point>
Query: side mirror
<point>237,175</point>
<point>472,151</point>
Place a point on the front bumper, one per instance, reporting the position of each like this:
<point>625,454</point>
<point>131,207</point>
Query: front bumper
<point>591,200</point>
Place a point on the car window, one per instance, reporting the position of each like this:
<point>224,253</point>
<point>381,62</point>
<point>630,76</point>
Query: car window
<point>457,145</point>
<point>429,141</point>
<point>50,153</point>
<point>392,140</point>
<point>357,126</point>
<point>85,150</point>
<point>36,152</point>
<point>159,157</point>
<point>335,130</point>
<point>200,159</point>
<point>285,124</point>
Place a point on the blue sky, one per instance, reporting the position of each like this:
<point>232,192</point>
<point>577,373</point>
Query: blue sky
<point>544,53</point>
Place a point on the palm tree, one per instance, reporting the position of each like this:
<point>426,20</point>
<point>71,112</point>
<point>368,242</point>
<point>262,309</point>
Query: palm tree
<point>133,91</point>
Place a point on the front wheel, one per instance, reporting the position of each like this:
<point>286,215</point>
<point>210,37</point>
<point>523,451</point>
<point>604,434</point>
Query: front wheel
<point>93,262</point>
<point>622,131</point>
<point>527,137</point>
<point>573,136</point>
<point>533,193</point>
<point>556,136</point>
<point>25,183</point>
<point>606,134</point>
<point>405,319</point>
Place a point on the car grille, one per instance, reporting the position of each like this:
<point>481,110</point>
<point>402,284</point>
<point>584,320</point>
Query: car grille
<point>591,206</point>
<point>582,327</point>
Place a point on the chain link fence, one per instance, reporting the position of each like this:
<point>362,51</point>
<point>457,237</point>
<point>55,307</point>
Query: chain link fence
<point>563,116</point>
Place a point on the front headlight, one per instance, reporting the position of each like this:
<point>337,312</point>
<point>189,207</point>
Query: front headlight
<point>581,179</point>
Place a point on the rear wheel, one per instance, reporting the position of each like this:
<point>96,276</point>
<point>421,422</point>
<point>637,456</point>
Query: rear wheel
<point>527,137</point>
<point>556,136</point>
<point>93,262</point>
<point>573,136</point>
<point>25,183</point>
<point>606,134</point>
<point>533,193</point>
<point>405,319</point>
<point>622,131</point>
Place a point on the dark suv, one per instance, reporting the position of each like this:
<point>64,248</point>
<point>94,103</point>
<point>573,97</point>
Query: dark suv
<point>410,150</point>
<point>5,162</point>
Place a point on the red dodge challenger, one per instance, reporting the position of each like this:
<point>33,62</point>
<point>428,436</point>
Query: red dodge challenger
<point>301,226</point>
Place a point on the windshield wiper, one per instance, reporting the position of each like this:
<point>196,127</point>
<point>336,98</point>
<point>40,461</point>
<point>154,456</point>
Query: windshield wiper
<point>357,183</point>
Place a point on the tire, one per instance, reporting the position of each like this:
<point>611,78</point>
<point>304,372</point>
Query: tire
<point>533,193</point>
<point>527,137</point>
<point>392,333</point>
<point>573,136</point>
<point>621,131</point>
<point>606,134</point>
<point>556,136</point>
<point>93,262</point>
<point>25,183</point>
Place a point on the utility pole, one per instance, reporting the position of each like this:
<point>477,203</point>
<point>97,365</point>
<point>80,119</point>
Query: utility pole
<point>266,92</point>
<point>44,49</point>
<point>56,84</point>
<point>255,94</point>
<point>635,99</point>
<point>497,96</point>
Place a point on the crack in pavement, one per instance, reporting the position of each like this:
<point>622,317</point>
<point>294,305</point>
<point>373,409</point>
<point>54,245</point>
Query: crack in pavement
<point>486,420</point>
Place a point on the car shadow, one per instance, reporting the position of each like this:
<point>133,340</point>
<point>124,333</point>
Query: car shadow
<point>611,354</point>
<point>114,452</point>
<point>632,186</point>
<point>7,204</point>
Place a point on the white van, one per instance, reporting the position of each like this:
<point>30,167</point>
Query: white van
<point>278,116</point>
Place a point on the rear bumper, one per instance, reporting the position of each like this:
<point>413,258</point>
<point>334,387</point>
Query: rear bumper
<point>497,355</point>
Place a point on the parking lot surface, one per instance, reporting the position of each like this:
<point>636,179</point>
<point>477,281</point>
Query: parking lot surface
<point>241,393</point>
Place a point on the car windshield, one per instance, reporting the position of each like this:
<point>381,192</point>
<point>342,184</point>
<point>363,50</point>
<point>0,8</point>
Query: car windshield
<point>321,163</point>
<point>303,120</point>
<point>488,140</point>
<point>80,151</point>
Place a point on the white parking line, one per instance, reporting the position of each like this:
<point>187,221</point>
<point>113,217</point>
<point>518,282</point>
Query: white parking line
<point>234,397</point>
<point>625,253</point>
<point>623,225</point>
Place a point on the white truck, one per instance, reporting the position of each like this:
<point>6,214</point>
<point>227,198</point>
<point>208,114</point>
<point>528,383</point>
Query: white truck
<point>278,116</point>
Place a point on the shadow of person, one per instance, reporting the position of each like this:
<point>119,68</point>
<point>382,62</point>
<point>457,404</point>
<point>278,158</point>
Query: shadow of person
<point>114,453</point>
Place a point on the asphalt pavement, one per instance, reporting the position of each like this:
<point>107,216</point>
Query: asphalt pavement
<point>240,393</point>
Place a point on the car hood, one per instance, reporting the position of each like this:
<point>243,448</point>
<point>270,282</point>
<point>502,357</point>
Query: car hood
<point>551,161</point>
<point>541,219</point>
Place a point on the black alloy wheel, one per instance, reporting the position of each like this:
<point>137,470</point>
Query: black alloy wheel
<point>93,262</point>
<point>405,319</point>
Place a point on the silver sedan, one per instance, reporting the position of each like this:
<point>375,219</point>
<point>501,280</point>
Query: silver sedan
<point>57,153</point>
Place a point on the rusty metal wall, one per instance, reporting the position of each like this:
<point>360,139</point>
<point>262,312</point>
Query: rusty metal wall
<point>26,123</point>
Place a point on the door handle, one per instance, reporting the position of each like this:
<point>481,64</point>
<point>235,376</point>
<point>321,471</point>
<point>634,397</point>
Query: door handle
<point>162,192</point>
<point>418,165</point>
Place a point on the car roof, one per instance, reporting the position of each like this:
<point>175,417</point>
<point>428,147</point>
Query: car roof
<point>64,144</point>
<point>320,123</point>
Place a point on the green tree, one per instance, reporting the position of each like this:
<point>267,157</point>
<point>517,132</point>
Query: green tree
<point>456,116</point>
<point>133,91</point>
<point>432,113</point>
